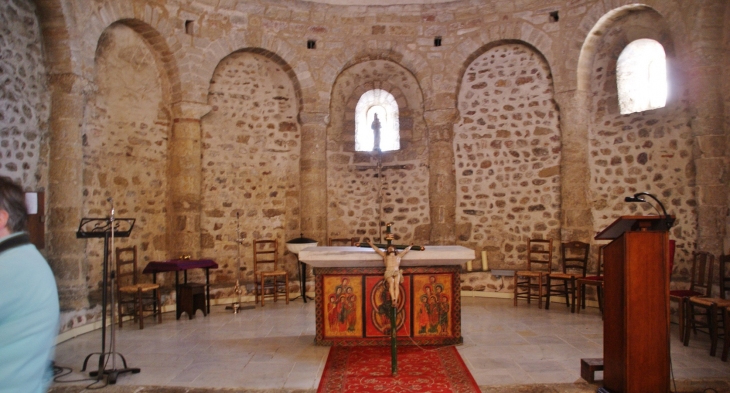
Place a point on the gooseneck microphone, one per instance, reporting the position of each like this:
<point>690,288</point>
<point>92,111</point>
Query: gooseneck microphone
<point>668,221</point>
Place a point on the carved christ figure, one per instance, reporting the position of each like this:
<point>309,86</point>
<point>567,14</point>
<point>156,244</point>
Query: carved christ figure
<point>393,276</point>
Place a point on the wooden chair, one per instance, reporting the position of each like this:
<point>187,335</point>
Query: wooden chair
<point>713,318</point>
<point>134,297</point>
<point>574,257</point>
<point>726,346</point>
<point>596,281</point>
<point>700,285</point>
<point>350,241</point>
<point>266,271</point>
<point>529,284</point>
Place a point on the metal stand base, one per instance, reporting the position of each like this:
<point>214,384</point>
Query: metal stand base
<point>112,374</point>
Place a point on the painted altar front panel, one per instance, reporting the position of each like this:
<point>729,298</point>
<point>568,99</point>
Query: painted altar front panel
<point>343,314</point>
<point>433,305</point>
<point>351,306</point>
<point>378,308</point>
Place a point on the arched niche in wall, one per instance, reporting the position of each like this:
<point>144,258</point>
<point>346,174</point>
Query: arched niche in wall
<point>251,143</point>
<point>507,153</point>
<point>367,189</point>
<point>125,135</point>
<point>647,151</point>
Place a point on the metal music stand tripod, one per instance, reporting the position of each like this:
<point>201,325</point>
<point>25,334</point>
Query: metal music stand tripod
<point>107,228</point>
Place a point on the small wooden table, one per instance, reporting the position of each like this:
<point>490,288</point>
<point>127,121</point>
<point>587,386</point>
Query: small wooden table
<point>177,265</point>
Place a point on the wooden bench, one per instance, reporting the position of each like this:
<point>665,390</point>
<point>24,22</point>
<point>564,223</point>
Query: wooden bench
<point>588,368</point>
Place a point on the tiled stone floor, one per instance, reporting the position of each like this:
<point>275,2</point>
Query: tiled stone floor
<point>507,349</point>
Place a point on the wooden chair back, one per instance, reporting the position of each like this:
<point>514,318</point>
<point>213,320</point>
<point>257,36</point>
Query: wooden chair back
<point>724,263</point>
<point>599,264</point>
<point>575,257</point>
<point>126,260</point>
<point>539,255</point>
<point>701,273</point>
<point>265,256</point>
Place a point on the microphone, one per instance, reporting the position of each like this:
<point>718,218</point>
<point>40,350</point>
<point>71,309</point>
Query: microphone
<point>633,199</point>
<point>668,221</point>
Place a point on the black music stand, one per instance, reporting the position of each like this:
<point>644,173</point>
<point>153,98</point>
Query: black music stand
<point>102,228</point>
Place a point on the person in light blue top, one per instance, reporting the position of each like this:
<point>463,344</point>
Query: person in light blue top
<point>29,311</point>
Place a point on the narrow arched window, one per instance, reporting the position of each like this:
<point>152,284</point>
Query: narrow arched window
<point>641,75</point>
<point>376,119</point>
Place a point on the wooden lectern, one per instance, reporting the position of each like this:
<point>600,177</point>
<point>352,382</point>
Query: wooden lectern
<point>636,309</point>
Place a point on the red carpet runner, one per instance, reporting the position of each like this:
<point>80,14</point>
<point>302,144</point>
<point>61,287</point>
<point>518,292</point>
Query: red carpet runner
<point>367,369</point>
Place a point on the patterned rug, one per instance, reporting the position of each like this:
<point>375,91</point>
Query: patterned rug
<point>366,369</point>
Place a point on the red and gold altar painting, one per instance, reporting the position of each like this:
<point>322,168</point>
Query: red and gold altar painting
<point>378,308</point>
<point>342,311</point>
<point>432,305</point>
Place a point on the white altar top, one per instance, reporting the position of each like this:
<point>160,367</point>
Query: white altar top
<point>366,256</point>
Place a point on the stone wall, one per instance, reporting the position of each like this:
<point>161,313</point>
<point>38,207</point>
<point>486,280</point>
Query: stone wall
<point>24,97</point>
<point>189,56</point>
<point>125,147</point>
<point>251,144</point>
<point>362,198</point>
<point>507,149</point>
<point>641,152</point>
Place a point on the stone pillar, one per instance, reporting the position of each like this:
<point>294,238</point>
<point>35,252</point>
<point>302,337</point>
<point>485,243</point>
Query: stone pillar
<point>66,254</point>
<point>313,161</point>
<point>575,176</point>
<point>185,174</point>
<point>442,178</point>
<point>710,147</point>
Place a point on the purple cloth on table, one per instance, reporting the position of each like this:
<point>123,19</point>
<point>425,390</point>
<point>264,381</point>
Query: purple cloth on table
<point>179,264</point>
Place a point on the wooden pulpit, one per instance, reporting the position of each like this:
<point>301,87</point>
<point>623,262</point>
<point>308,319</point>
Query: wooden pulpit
<point>636,308</point>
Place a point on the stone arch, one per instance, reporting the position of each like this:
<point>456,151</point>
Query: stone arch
<point>126,135</point>
<point>508,150</point>
<point>405,59</point>
<point>278,60</point>
<point>522,33</point>
<point>649,151</point>
<point>56,36</point>
<point>161,49</point>
<point>225,47</point>
<point>595,23</point>
<point>250,153</point>
<point>349,130</point>
<point>491,45</point>
<point>359,196</point>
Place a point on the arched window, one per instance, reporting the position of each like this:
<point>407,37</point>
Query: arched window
<point>381,105</point>
<point>641,75</point>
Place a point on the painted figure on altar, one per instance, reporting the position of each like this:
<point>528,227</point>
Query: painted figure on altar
<point>342,313</point>
<point>393,275</point>
<point>434,306</point>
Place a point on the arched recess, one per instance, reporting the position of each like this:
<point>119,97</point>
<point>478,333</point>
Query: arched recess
<point>361,197</point>
<point>507,149</point>
<point>127,127</point>
<point>649,151</point>
<point>251,147</point>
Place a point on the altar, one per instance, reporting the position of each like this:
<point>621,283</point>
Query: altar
<point>352,304</point>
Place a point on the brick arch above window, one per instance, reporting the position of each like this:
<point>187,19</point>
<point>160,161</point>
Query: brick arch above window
<point>405,114</point>
<point>376,122</point>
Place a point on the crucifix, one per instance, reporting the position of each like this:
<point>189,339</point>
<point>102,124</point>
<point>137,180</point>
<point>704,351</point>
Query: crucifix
<point>392,279</point>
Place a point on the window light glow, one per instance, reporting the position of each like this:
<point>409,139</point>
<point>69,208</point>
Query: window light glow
<point>641,75</point>
<point>383,104</point>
